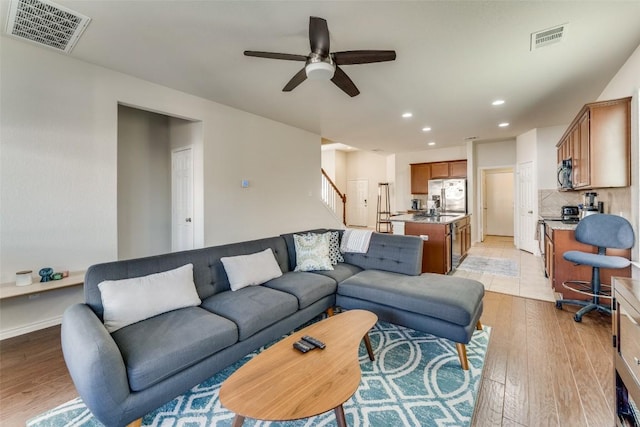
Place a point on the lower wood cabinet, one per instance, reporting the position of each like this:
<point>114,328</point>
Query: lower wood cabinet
<point>560,270</point>
<point>626,357</point>
<point>436,253</point>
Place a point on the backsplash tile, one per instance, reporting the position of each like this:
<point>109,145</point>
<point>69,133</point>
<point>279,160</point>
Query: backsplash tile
<point>616,201</point>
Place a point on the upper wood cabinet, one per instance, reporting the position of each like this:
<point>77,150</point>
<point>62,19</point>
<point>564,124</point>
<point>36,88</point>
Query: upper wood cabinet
<point>440,170</point>
<point>458,169</point>
<point>598,142</point>
<point>420,176</point>
<point>421,173</point>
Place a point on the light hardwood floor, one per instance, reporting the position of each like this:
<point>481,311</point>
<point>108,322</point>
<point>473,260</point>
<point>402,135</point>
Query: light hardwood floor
<point>542,368</point>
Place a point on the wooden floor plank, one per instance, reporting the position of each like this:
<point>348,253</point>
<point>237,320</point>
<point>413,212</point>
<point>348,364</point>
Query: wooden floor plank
<point>589,393</point>
<point>516,383</point>
<point>541,363</point>
<point>496,361</point>
<point>489,404</point>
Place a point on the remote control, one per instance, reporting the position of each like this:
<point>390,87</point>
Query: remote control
<point>301,347</point>
<point>313,341</point>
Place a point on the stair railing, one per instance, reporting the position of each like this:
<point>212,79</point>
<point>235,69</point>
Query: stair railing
<point>332,197</point>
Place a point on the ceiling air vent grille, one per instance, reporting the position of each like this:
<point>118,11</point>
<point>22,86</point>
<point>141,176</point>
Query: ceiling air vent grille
<point>549,36</point>
<point>45,23</point>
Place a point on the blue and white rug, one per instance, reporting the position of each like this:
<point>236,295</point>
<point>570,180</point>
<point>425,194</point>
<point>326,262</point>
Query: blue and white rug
<point>416,380</point>
<point>489,265</point>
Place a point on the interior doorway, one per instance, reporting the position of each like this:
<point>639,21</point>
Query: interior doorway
<point>357,202</point>
<point>145,210</point>
<point>182,199</point>
<point>497,198</point>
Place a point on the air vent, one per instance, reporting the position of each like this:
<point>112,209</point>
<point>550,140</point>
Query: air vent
<point>45,23</point>
<point>549,36</point>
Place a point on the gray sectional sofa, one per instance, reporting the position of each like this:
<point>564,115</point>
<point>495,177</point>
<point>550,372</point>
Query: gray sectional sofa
<point>123,375</point>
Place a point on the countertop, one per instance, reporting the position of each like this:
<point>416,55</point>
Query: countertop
<point>557,224</point>
<point>442,219</point>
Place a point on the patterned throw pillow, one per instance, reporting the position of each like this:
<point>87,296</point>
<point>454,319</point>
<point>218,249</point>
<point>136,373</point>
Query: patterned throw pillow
<point>334,247</point>
<point>312,252</point>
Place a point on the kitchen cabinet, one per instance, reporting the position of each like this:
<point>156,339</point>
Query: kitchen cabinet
<point>559,270</point>
<point>460,241</point>
<point>420,176</point>
<point>626,357</point>
<point>436,253</point>
<point>458,169</point>
<point>421,173</point>
<point>598,141</point>
<point>440,170</point>
<point>580,153</point>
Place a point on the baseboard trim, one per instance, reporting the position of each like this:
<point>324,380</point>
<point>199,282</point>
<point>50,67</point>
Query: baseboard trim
<point>31,327</point>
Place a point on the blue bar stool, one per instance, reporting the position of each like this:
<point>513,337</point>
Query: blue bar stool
<point>603,231</point>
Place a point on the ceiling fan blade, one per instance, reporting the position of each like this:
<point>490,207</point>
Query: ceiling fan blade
<point>295,80</point>
<point>319,36</point>
<point>271,55</point>
<point>343,81</point>
<point>363,56</point>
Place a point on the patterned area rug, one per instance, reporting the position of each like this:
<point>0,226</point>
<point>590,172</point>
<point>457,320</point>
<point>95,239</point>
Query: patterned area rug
<point>416,380</point>
<point>497,266</point>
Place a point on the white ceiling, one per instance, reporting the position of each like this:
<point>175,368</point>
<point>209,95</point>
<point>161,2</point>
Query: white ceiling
<point>453,59</point>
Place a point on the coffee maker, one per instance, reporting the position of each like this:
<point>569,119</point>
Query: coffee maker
<point>591,205</point>
<point>415,204</point>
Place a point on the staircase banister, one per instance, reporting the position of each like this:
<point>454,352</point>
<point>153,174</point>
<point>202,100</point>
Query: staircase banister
<point>343,197</point>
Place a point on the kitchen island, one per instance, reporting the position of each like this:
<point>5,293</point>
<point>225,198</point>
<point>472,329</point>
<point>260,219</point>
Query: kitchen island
<point>446,237</point>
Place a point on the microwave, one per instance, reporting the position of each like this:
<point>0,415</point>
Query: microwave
<point>565,174</point>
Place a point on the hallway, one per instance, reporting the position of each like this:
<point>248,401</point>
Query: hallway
<point>530,281</point>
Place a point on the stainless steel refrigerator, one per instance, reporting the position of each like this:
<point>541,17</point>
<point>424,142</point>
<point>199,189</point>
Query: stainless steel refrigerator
<point>452,193</point>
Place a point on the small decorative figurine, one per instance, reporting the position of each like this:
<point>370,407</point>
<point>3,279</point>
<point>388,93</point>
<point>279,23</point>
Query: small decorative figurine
<point>45,274</point>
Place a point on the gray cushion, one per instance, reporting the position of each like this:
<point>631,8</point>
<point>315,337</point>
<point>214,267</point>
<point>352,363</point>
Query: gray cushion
<point>306,287</point>
<point>595,260</point>
<point>390,252</point>
<point>340,272</point>
<point>448,298</point>
<point>252,309</point>
<point>161,346</point>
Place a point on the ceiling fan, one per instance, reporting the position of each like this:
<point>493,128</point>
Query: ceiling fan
<point>321,64</point>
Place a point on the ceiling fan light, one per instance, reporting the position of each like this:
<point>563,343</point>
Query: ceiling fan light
<point>320,71</point>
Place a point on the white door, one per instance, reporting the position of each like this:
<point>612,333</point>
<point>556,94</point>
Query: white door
<point>182,199</point>
<point>525,239</point>
<point>499,203</point>
<point>357,202</point>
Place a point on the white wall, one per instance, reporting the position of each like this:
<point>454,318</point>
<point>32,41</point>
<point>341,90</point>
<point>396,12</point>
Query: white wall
<point>625,83</point>
<point>59,172</point>
<point>546,156</point>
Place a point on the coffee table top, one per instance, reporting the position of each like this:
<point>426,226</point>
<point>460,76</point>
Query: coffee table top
<point>283,384</point>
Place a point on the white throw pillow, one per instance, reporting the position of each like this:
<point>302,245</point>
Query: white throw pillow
<point>128,301</point>
<point>251,270</point>
<point>312,252</point>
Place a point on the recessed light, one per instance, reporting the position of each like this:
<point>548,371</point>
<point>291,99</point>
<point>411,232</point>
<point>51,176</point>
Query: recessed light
<point>426,129</point>
<point>431,143</point>
<point>407,115</point>
<point>498,102</point>
<point>503,125</point>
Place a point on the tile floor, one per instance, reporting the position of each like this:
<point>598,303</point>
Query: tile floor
<point>530,283</point>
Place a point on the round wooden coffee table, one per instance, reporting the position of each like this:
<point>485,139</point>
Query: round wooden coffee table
<point>283,384</point>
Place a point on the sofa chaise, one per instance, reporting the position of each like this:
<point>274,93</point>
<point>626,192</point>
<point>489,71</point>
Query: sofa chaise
<point>122,375</point>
